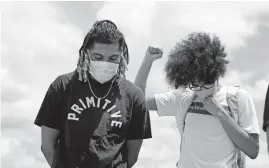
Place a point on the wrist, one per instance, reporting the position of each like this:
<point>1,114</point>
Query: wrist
<point>147,61</point>
<point>223,114</point>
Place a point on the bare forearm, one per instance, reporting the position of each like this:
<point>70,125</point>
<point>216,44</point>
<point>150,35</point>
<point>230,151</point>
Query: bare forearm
<point>142,75</point>
<point>241,138</point>
<point>131,161</point>
<point>133,149</point>
<point>49,155</point>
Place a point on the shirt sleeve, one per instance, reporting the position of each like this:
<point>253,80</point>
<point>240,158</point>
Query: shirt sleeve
<point>167,103</point>
<point>50,114</point>
<point>139,127</point>
<point>266,111</point>
<point>247,113</point>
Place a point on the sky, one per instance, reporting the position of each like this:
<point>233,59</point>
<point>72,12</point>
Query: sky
<point>40,41</point>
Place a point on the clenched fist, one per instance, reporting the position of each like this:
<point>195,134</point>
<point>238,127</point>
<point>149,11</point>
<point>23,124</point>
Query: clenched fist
<point>153,53</point>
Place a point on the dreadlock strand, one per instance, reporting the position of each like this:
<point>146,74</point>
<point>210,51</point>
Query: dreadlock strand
<point>81,66</point>
<point>126,53</point>
<point>79,69</point>
<point>110,31</point>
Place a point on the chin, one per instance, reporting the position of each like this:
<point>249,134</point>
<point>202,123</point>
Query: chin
<point>200,95</point>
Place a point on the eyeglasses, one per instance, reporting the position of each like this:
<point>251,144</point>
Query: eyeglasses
<point>200,87</point>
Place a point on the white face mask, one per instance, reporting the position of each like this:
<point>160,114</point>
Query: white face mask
<point>103,71</point>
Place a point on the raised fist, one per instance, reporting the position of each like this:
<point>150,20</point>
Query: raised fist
<point>153,53</point>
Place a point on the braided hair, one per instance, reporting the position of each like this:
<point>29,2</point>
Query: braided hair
<point>105,32</point>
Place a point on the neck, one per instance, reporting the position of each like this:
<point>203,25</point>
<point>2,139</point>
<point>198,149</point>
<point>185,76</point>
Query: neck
<point>92,78</point>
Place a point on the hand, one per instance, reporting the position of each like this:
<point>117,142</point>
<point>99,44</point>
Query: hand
<point>213,106</point>
<point>153,54</point>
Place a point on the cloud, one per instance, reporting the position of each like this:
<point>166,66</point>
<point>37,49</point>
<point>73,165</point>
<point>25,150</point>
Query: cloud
<point>165,23</point>
<point>133,18</point>
<point>168,22</point>
<point>254,51</point>
<point>41,41</point>
<point>134,21</point>
<point>256,88</point>
<point>174,20</point>
<point>11,91</point>
<point>12,94</point>
<point>82,14</point>
<point>35,38</point>
<point>39,44</point>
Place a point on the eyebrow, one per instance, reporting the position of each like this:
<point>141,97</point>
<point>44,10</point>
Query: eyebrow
<point>113,55</point>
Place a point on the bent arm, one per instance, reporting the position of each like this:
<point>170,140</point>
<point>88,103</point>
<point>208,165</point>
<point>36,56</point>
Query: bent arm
<point>165,103</point>
<point>247,143</point>
<point>245,134</point>
<point>141,81</point>
<point>142,75</point>
<point>49,139</point>
<point>49,118</point>
<point>152,54</point>
<point>139,127</point>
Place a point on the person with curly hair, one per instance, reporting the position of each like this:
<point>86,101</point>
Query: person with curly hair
<point>93,116</point>
<point>217,123</point>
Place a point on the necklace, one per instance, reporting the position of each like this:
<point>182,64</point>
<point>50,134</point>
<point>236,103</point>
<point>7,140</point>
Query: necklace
<point>107,92</point>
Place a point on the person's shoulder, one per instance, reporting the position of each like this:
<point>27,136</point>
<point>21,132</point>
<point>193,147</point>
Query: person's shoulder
<point>243,94</point>
<point>238,90</point>
<point>130,88</point>
<point>62,80</point>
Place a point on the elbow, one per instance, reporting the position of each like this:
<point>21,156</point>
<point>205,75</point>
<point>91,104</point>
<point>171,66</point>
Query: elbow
<point>135,159</point>
<point>253,156</point>
<point>132,161</point>
<point>254,152</point>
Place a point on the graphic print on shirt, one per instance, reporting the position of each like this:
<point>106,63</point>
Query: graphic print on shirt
<point>90,102</point>
<point>198,108</point>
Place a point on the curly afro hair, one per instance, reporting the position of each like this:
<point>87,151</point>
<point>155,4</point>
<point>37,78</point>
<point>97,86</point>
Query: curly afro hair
<point>198,57</point>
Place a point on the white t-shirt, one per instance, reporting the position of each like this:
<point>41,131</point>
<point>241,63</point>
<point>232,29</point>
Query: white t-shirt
<point>205,143</point>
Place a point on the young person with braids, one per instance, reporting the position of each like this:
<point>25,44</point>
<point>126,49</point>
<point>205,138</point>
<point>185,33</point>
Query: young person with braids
<point>214,130</point>
<point>94,117</point>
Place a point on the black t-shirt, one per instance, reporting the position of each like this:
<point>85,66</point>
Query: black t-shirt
<point>92,130</point>
<point>266,111</point>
